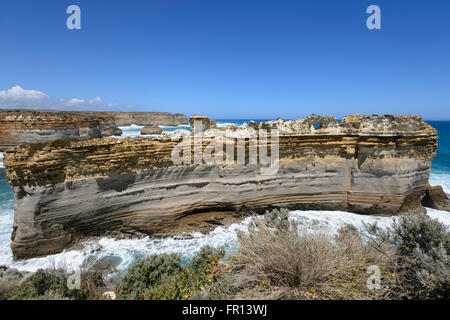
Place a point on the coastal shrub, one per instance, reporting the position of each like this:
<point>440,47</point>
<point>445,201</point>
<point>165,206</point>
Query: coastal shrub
<point>413,231</point>
<point>10,279</point>
<point>223,288</point>
<point>422,247</point>
<point>280,262</point>
<point>160,277</point>
<point>51,284</point>
<point>148,272</point>
<point>206,257</point>
<point>277,218</point>
<point>41,283</point>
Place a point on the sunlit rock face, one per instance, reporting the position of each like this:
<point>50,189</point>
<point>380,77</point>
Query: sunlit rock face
<point>201,123</point>
<point>22,126</point>
<point>150,130</point>
<point>362,164</point>
<point>148,118</point>
<point>35,126</point>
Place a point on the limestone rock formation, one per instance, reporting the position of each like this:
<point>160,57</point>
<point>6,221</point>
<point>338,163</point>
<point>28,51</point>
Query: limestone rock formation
<point>34,126</point>
<point>201,123</point>
<point>108,130</point>
<point>148,118</point>
<point>436,198</point>
<point>25,126</point>
<point>65,192</point>
<point>151,130</point>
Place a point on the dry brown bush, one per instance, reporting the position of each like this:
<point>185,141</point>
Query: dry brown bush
<point>276,261</point>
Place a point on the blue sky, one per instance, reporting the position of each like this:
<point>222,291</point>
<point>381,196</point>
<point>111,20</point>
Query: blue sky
<point>228,59</point>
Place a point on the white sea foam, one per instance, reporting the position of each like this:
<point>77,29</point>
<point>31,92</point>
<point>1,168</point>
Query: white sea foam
<point>6,222</point>
<point>125,252</point>
<point>226,124</point>
<point>174,127</point>
<point>1,160</point>
<point>439,178</point>
<point>135,130</point>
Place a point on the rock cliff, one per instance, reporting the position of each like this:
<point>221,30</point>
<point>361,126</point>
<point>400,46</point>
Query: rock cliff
<point>25,126</point>
<point>73,189</point>
<point>33,126</point>
<point>148,118</point>
<point>151,130</point>
<point>203,123</point>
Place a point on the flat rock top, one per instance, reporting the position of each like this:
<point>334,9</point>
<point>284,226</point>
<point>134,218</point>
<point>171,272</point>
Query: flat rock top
<point>314,125</point>
<point>357,124</point>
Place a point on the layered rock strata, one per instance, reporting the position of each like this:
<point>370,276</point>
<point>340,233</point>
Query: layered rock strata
<point>148,118</point>
<point>21,126</point>
<point>201,123</point>
<point>34,126</point>
<point>363,164</point>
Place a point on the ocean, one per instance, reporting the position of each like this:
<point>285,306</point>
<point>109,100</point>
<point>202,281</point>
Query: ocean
<point>124,252</point>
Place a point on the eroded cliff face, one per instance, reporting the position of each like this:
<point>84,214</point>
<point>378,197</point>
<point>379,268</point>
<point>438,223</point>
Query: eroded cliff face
<point>22,126</point>
<point>371,165</point>
<point>148,118</point>
<point>35,126</point>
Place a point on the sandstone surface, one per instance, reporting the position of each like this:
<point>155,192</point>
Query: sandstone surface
<point>25,126</point>
<point>76,189</point>
<point>151,130</point>
<point>35,126</point>
<point>203,123</point>
<point>148,118</point>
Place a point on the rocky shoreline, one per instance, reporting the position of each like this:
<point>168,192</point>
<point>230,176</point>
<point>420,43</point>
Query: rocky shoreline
<point>72,190</point>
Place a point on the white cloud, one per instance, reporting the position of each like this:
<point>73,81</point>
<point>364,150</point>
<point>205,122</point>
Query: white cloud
<point>95,100</point>
<point>74,102</point>
<point>17,97</point>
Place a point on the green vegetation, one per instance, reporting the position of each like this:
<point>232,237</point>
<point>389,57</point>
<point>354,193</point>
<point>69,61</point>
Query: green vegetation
<point>276,260</point>
<point>423,248</point>
<point>162,277</point>
<point>51,284</point>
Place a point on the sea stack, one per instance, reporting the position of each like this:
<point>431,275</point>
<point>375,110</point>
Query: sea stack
<point>200,124</point>
<point>151,130</point>
<point>69,191</point>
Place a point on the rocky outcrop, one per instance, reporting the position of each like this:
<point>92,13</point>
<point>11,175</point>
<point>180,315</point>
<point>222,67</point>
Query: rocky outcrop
<point>363,164</point>
<point>151,130</point>
<point>22,126</point>
<point>108,130</point>
<point>148,118</point>
<point>201,123</point>
<point>436,198</point>
<point>34,126</point>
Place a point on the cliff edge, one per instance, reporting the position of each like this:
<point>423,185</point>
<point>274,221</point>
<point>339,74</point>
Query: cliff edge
<point>69,190</point>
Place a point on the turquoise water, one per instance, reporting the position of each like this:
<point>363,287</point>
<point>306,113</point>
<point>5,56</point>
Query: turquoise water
<point>124,252</point>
